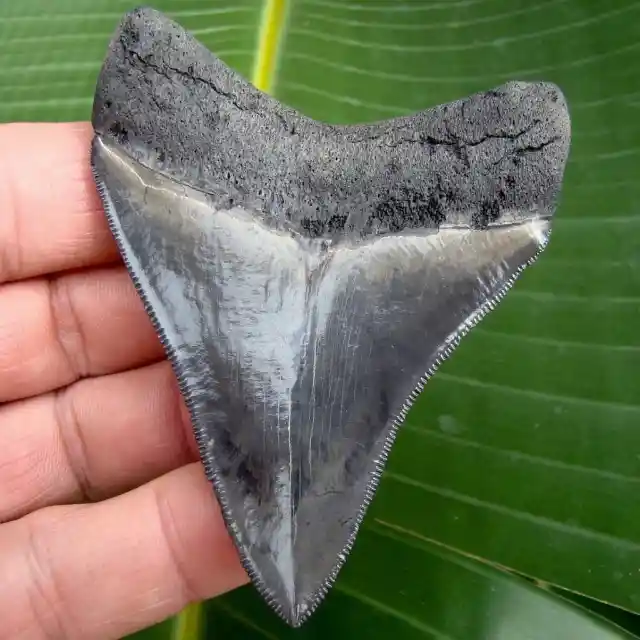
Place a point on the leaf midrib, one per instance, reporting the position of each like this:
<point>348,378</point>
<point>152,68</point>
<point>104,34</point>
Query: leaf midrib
<point>270,37</point>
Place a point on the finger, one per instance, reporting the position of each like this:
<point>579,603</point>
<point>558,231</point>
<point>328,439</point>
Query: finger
<point>51,218</point>
<point>105,570</point>
<point>86,323</point>
<point>96,439</point>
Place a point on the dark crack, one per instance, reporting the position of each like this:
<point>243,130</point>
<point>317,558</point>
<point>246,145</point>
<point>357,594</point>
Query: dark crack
<point>527,149</point>
<point>538,147</point>
<point>459,145</point>
<point>165,70</point>
<point>454,140</point>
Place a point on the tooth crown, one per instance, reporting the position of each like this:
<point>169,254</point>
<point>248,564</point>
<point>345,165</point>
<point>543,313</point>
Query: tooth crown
<point>307,279</point>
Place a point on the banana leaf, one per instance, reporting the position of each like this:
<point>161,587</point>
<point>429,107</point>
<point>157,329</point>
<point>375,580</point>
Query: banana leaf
<point>524,450</point>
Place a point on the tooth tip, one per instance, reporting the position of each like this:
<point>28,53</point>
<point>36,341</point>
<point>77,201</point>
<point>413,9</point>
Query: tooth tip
<point>301,613</point>
<point>295,613</point>
<point>298,616</point>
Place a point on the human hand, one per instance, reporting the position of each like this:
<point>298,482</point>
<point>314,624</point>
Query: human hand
<point>107,523</point>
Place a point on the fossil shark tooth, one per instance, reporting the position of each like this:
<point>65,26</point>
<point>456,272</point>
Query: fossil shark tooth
<point>307,279</point>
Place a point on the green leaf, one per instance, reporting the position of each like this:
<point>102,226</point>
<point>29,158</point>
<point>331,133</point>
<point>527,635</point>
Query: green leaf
<point>524,450</point>
<point>621,617</point>
<point>416,590</point>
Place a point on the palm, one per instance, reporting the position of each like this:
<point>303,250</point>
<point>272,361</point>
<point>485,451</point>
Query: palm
<point>89,411</point>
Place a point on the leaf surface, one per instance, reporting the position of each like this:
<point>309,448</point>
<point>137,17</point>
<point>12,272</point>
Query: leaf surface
<point>524,450</point>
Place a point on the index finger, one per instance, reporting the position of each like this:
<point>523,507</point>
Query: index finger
<point>51,218</point>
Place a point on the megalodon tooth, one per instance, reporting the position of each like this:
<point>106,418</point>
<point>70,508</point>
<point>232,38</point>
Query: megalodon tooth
<point>307,279</point>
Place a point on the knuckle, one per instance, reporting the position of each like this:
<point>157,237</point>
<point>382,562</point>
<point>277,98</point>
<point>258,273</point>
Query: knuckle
<point>175,547</point>
<point>70,436</point>
<point>66,325</point>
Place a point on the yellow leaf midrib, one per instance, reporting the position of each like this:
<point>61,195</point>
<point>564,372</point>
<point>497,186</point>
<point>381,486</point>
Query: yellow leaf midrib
<point>272,27</point>
<point>187,625</point>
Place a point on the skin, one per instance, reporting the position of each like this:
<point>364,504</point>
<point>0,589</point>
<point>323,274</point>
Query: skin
<point>107,522</point>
